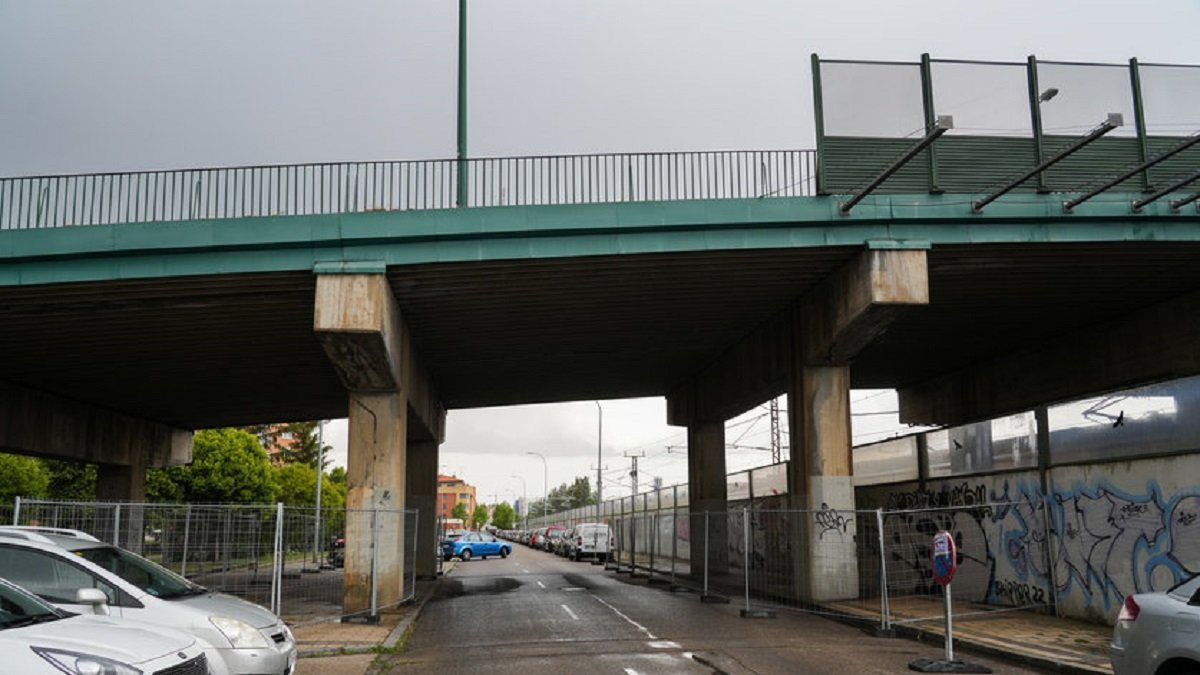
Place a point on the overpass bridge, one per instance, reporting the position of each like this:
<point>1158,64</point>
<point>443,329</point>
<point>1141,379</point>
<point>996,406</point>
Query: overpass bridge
<point>977,272</point>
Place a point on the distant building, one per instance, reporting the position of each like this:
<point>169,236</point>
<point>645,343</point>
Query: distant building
<point>454,490</point>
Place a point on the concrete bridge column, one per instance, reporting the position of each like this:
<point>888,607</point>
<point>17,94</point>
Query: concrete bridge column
<point>375,479</point>
<point>707,493</point>
<point>422,496</point>
<point>820,488</point>
<point>358,322</point>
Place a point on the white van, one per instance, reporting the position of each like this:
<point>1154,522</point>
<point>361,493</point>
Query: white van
<point>590,540</point>
<point>239,637</point>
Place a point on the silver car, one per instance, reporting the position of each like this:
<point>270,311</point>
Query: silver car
<point>38,639</point>
<point>238,637</point>
<point>1159,633</point>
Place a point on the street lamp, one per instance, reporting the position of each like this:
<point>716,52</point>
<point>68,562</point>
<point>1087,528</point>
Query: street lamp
<point>524,497</point>
<point>545,482</point>
<point>599,456</point>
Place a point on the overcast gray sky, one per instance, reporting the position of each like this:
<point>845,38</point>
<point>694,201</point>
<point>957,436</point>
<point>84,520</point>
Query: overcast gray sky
<point>142,84</point>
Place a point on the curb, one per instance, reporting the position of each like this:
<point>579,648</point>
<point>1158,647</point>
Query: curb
<point>392,639</point>
<point>1009,655</point>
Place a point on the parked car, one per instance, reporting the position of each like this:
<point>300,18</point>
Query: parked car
<point>337,552</point>
<point>1159,633</point>
<point>237,636</point>
<point>475,544</point>
<point>37,638</point>
<point>550,538</point>
<point>590,540</point>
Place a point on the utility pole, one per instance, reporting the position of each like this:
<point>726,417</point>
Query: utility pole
<point>633,456</point>
<point>776,453</point>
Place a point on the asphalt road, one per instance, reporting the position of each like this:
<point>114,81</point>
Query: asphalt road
<point>535,613</point>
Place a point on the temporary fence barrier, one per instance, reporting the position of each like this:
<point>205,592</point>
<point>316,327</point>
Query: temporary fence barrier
<point>871,566</point>
<point>287,558</point>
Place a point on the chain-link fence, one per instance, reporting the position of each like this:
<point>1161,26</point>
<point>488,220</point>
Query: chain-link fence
<point>290,559</point>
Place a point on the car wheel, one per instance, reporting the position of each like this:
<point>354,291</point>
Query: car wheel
<point>465,555</point>
<point>503,552</point>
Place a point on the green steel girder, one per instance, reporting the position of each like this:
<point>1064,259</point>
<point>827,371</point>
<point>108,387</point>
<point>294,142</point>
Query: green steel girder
<point>149,250</point>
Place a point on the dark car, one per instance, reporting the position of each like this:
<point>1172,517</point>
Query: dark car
<point>337,552</point>
<point>475,545</point>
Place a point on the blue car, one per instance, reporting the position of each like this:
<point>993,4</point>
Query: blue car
<point>475,544</point>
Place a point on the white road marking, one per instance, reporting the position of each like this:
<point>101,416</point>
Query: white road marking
<point>631,671</point>
<point>568,611</point>
<point>525,571</point>
<point>664,644</point>
<point>631,621</point>
<point>543,586</point>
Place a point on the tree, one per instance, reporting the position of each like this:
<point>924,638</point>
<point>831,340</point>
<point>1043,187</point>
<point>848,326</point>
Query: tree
<point>228,466</point>
<point>480,517</point>
<point>503,516</point>
<point>71,480</point>
<point>306,444</point>
<point>460,511</point>
<point>22,476</point>
<point>296,484</point>
<point>564,497</point>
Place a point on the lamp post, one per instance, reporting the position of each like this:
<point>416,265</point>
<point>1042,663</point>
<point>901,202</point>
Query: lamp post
<point>317,510</point>
<point>545,482</point>
<point>524,497</point>
<point>599,457</point>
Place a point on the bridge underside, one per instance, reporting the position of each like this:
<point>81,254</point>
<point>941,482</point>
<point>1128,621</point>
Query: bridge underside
<point>215,350</point>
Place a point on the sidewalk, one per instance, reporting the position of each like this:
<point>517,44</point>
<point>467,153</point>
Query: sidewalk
<point>1040,640</point>
<point>336,648</point>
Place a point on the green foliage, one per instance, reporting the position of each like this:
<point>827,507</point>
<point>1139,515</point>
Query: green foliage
<point>71,480</point>
<point>503,516</point>
<point>22,476</point>
<point>338,475</point>
<point>305,444</point>
<point>296,485</point>
<point>228,466</point>
<point>480,517</point>
<point>460,511</point>
<point>564,497</point>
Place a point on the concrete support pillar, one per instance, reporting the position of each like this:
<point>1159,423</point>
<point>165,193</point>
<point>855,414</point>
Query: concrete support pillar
<point>121,482</point>
<point>707,493</point>
<point>125,486</point>
<point>824,556</point>
<point>359,325</point>
<point>375,476</point>
<point>422,496</point>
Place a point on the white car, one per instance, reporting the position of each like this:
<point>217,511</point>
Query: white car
<point>38,639</point>
<point>1159,633</point>
<point>238,637</point>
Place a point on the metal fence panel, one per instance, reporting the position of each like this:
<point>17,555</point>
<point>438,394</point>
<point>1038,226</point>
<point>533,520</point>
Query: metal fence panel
<point>289,559</point>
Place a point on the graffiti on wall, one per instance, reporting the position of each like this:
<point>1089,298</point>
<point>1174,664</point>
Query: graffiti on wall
<point>1097,544</point>
<point>1114,543</point>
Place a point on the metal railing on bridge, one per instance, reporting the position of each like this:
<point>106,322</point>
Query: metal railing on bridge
<point>356,187</point>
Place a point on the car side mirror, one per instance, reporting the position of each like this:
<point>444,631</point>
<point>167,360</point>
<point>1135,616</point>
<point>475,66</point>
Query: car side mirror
<point>94,597</point>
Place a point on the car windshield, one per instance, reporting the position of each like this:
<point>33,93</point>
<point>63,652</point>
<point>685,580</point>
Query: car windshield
<point>151,578</point>
<point>18,608</point>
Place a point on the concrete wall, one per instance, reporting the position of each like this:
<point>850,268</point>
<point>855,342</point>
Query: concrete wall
<point>1115,529</point>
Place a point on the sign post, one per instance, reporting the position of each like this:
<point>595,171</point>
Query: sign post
<point>943,559</point>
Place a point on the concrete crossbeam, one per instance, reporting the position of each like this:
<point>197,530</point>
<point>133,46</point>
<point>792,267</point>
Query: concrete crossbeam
<point>1153,344</point>
<point>37,423</point>
<point>829,326</point>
